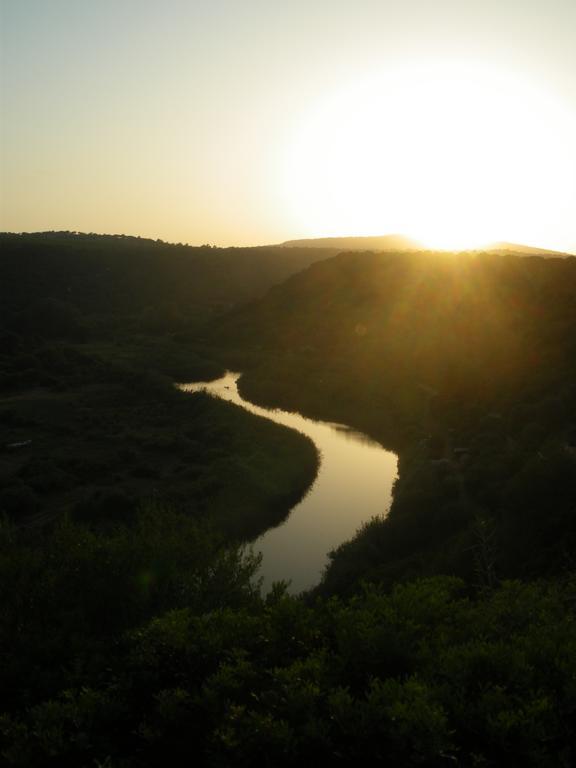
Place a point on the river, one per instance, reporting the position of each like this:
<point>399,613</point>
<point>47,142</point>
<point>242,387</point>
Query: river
<point>353,484</point>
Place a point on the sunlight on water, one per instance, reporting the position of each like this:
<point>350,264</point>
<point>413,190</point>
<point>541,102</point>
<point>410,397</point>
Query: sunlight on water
<point>354,483</point>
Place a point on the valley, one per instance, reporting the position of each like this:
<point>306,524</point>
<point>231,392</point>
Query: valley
<point>436,625</point>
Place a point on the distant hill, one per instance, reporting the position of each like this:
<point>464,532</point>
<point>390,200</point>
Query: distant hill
<point>402,243</point>
<point>378,243</point>
<point>525,249</point>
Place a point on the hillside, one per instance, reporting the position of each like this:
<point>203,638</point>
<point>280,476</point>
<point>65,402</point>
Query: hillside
<point>146,301</point>
<point>465,365</point>
<point>121,274</point>
<point>94,330</point>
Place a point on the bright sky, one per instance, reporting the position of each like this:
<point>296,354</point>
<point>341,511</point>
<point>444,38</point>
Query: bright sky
<point>255,121</point>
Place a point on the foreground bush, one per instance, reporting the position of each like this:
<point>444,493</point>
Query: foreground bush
<point>151,646</point>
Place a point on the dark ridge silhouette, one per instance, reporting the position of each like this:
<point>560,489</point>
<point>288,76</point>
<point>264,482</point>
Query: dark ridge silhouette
<point>124,274</point>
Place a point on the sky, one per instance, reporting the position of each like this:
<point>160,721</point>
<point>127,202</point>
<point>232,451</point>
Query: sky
<point>240,122</point>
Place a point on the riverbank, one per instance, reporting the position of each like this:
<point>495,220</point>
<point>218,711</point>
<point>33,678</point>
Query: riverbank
<point>472,496</point>
<point>427,506</point>
<point>96,452</point>
<point>354,485</point>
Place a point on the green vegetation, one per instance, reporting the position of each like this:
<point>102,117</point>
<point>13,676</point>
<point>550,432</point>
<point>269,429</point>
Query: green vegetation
<point>132,630</point>
<point>95,453</point>
<point>109,286</point>
<point>188,663</point>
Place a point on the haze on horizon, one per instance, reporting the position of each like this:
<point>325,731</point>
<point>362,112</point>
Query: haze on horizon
<point>259,122</point>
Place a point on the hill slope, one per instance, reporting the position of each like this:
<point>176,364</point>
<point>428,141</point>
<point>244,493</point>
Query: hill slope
<point>104,273</point>
<point>465,364</point>
<point>93,332</point>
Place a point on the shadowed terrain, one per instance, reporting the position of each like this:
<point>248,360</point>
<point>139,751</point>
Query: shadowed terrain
<point>464,363</point>
<point>133,633</point>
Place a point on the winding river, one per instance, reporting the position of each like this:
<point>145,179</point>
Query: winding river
<point>353,484</point>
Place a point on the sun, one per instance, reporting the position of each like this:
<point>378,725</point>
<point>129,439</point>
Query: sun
<point>456,155</point>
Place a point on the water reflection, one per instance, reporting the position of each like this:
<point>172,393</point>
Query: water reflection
<point>352,434</point>
<point>354,483</point>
